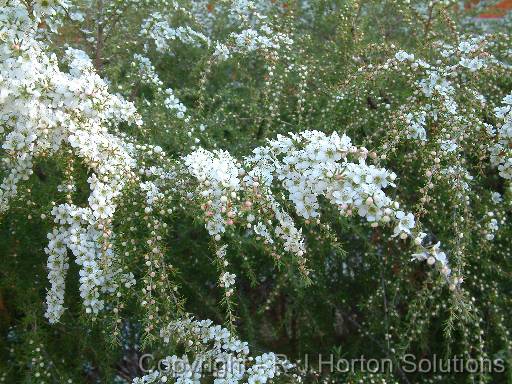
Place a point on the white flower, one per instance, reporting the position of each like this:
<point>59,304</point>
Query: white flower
<point>227,279</point>
<point>403,56</point>
<point>448,146</point>
<point>405,223</point>
<point>496,198</point>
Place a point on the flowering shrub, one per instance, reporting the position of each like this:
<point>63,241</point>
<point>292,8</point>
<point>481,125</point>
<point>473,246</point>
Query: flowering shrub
<point>322,178</point>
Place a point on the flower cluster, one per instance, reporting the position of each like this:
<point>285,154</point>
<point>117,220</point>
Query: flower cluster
<point>437,83</point>
<point>221,184</point>
<point>172,103</point>
<point>218,176</point>
<point>492,227</point>
<point>255,33</point>
<point>250,40</point>
<point>312,164</point>
<point>146,70</point>
<point>44,110</point>
<point>77,231</point>
<point>215,351</point>
<point>501,154</point>
<point>157,28</point>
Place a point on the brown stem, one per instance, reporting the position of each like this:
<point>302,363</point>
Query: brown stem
<point>98,61</point>
<point>428,23</point>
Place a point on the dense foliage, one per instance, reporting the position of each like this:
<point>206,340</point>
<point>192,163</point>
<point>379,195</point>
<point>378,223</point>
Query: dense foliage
<point>319,178</point>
